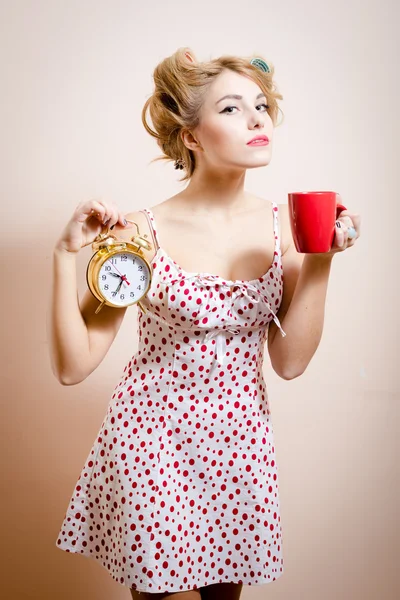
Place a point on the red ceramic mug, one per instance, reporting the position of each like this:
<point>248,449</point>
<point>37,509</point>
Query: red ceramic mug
<point>313,218</point>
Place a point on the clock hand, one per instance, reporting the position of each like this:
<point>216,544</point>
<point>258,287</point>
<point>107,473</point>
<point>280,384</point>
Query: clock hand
<point>123,276</point>
<point>118,288</point>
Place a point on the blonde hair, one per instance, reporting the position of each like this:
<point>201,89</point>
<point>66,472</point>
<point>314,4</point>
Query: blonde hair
<point>181,83</point>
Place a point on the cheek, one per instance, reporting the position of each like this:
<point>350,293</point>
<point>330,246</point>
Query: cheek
<point>220,138</point>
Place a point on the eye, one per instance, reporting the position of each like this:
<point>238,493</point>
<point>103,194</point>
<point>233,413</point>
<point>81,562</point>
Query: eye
<point>226,109</point>
<point>230,113</point>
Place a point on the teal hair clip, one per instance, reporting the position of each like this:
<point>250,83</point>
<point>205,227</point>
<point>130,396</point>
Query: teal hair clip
<point>260,64</point>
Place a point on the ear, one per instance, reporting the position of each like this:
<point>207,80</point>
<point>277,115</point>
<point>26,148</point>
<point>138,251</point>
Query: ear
<point>190,141</point>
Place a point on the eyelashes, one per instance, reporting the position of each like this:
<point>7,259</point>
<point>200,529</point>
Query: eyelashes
<point>230,113</point>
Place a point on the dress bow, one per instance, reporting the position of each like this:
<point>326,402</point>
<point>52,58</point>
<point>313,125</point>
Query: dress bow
<point>242,289</point>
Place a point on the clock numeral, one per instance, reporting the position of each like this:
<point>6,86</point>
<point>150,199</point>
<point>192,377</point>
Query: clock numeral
<point>106,286</point>
<point>124,258</point>
<point>142,277</point>
<point>107,268</point>
<point>122,296</point>
<point>132,294</point>
<point>104,277</point>
<point>140,267</point>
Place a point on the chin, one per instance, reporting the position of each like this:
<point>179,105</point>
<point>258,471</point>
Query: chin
<point>255,164</point>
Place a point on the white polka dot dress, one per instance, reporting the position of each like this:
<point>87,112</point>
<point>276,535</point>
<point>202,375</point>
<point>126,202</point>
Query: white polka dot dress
<point>180,489</point>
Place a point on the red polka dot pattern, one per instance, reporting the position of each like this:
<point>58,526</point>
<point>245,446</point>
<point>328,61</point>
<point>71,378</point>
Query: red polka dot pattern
<point>180,489</point>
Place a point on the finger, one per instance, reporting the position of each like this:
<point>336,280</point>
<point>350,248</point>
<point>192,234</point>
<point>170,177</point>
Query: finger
<point>107,217</point>
<point>112,214</point>
<point>93,208</point>
<point>347,221</point>
<point>357,223</point>
<point>109,214</point>
<point>106,211</point>
<point>354,224</point>
<point>347,241</point>
<point>354,217</point>
<point>117,216</point>
<point>125,222</point>
<point>100,210</point>
<point>352,240</point>
<point>339,235</point>
<point>122,223</point>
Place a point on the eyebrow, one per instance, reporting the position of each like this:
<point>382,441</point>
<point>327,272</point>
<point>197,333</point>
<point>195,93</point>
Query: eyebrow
<point>237,97</point>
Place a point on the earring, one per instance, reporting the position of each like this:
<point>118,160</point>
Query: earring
<point>180,164</point>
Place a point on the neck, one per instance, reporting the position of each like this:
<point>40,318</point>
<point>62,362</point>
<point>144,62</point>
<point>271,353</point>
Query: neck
<point>216,191</point>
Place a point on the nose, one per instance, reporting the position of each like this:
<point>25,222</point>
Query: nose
<point>256,120</point>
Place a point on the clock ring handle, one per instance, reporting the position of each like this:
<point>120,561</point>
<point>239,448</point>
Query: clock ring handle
<point>106,236</point>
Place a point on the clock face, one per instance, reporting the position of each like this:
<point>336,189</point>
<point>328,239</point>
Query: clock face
<point>123,278</point>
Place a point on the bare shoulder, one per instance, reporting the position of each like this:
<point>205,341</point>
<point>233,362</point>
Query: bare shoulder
<point>285,234</point>
<point>160,211</point>
<point>143,228</point>
<point>284,227</point>
<point>166,209</point>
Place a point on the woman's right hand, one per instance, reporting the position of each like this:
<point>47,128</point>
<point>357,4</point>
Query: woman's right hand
<point>89,219</point>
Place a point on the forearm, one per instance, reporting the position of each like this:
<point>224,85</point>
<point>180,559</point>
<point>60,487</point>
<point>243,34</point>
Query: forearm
<point>67,332</point>
<point>304,320</point>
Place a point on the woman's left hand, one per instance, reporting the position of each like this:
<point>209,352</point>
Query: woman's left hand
<point>341,240</point>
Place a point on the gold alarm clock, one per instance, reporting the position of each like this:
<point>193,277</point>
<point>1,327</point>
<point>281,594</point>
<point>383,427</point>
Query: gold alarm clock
<point>118,273</point>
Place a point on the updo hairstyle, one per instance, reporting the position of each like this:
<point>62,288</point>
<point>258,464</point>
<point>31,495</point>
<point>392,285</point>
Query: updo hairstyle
<point>181,83</point>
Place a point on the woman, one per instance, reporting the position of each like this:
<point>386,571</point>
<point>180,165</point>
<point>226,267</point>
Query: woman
<point>179,494</point>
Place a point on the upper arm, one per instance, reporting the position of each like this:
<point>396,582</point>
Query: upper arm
<point>291,265</point>
<point>103,327</point>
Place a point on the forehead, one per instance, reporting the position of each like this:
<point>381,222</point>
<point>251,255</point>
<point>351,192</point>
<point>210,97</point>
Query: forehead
<point>229,82</point>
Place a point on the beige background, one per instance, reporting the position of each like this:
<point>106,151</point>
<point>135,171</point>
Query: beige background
<point>74,77</point>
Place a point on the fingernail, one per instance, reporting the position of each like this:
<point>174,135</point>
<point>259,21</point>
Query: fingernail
<point>125,222</point>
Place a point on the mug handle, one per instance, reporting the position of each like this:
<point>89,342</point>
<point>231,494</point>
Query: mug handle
<point>339,208</point>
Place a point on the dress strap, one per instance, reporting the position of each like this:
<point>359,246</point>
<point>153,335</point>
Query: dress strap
<point>152,226</point>
<point>275,212</point>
